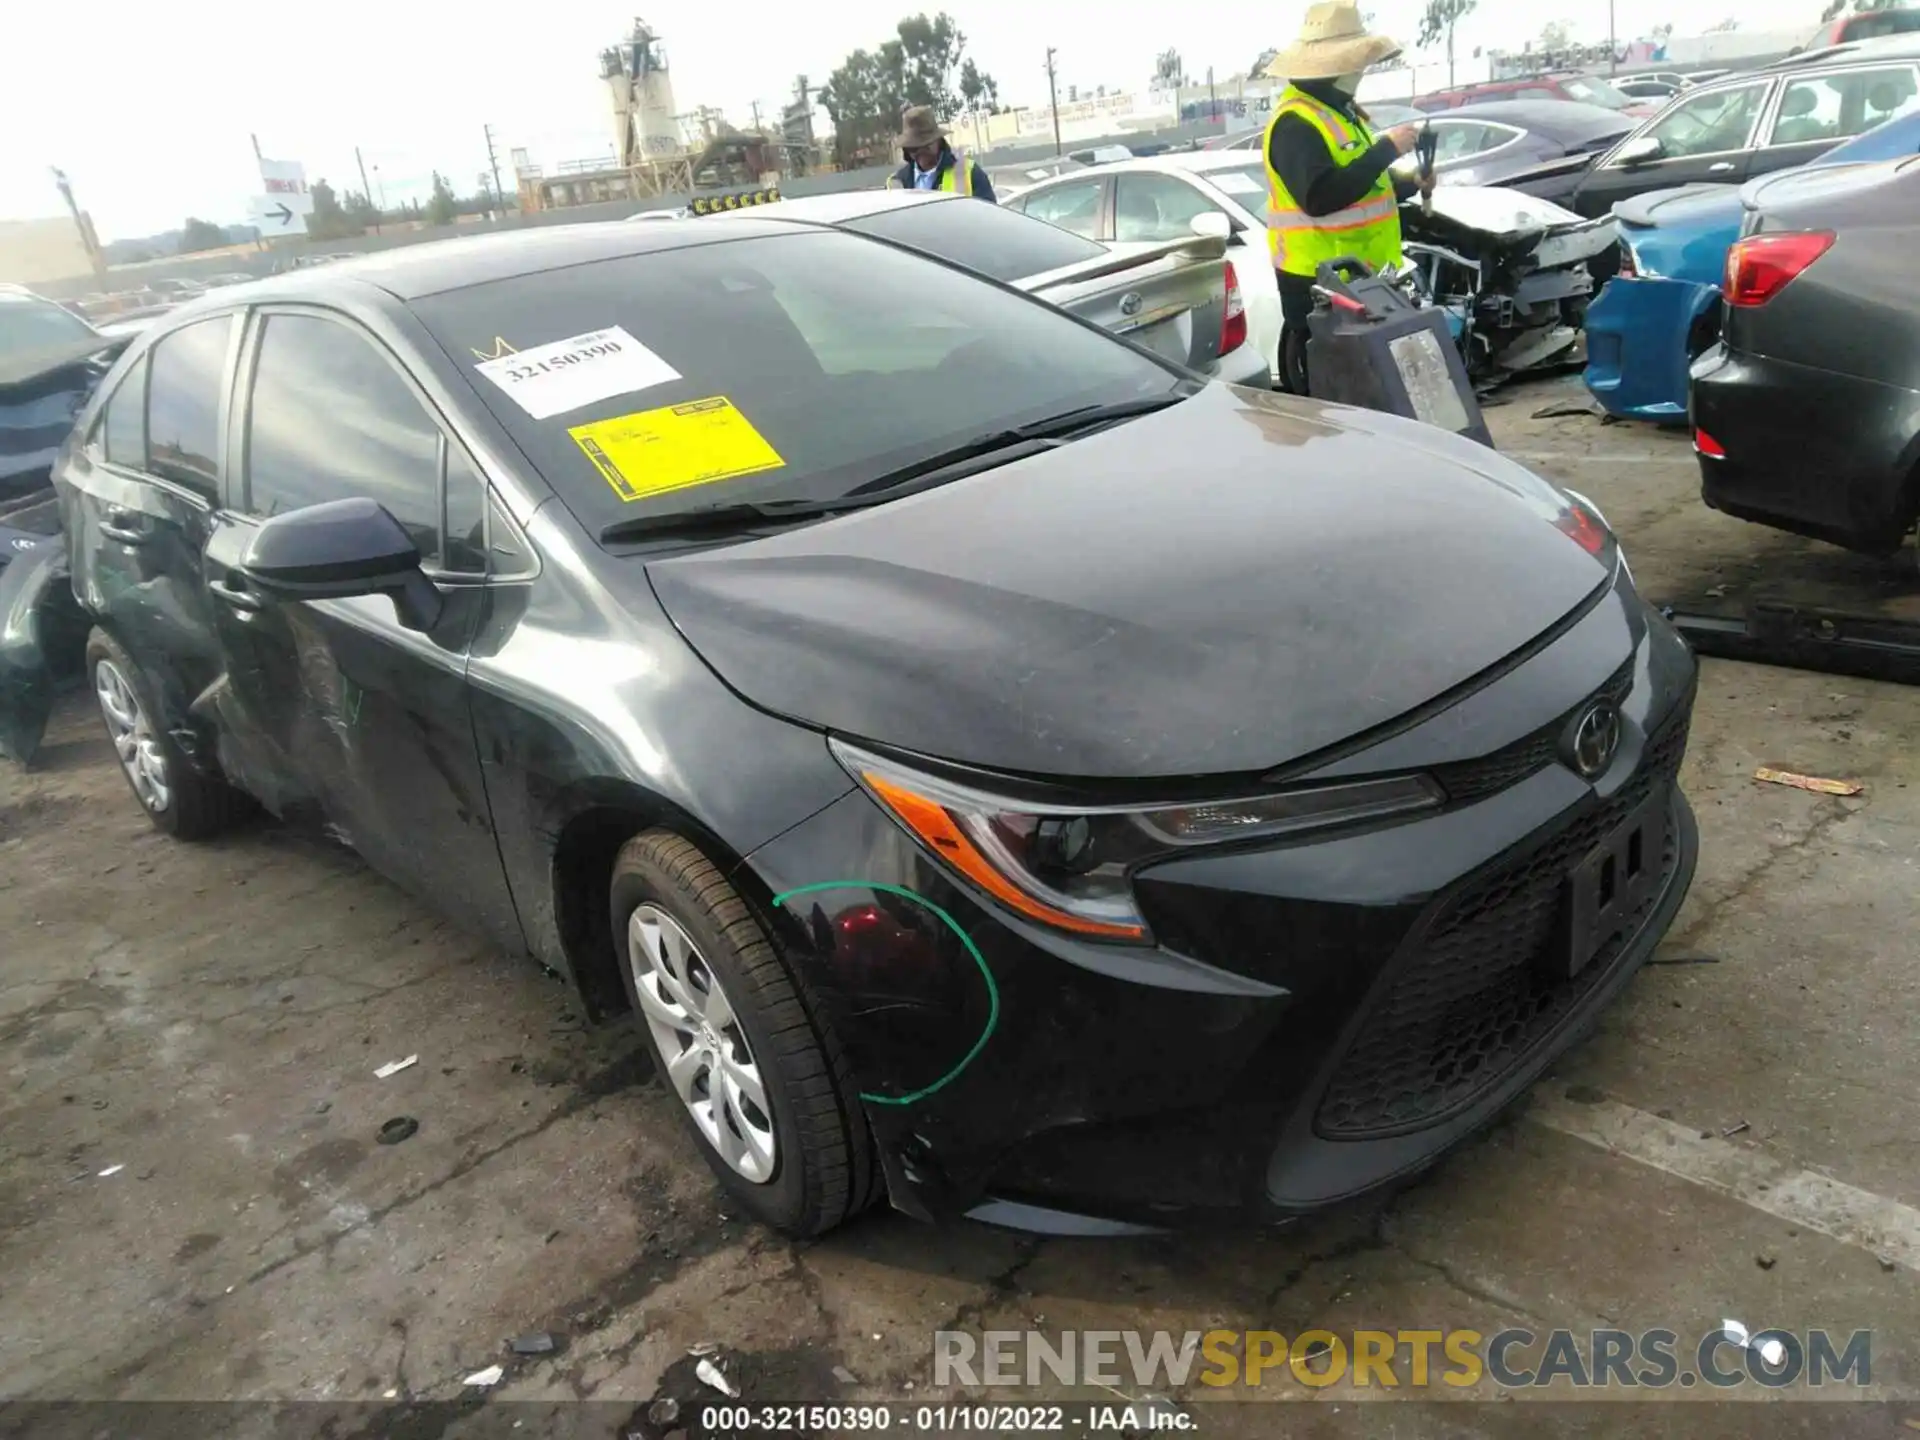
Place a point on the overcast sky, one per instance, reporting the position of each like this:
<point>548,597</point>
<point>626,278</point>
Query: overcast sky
<point>148,106</point>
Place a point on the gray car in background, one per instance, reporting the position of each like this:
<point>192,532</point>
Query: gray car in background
<point>1179,298</point>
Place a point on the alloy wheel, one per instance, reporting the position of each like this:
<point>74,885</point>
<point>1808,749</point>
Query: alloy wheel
<point>133,738</point>
<point>708,1061</point>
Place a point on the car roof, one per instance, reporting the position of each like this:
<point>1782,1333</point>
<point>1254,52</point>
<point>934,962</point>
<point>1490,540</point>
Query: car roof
<point>1881,47</point>
<point>412,272</point>
<point>1549,117</point>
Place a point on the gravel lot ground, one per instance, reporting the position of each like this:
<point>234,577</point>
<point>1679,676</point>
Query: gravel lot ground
<point>208,1019</point>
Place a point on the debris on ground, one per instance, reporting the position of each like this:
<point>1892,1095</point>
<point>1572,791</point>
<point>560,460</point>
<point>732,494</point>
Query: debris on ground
<point>400,1127</point>
<point>1561,408</point>
<point>845,1376</point>
<point>394,1067</point>
<point>483,1378</point>
<point>712,1376</point>
<point>534,1342</point>
<point>1733,1130</point>
<point>663,1412</point>
<point>1771,1351</point>
<point>111,1170</point>
<point>1765,1262</point>
<point>1818,784</point>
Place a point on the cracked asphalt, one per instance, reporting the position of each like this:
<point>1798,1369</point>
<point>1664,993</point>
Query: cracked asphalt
<point>208,1020</point>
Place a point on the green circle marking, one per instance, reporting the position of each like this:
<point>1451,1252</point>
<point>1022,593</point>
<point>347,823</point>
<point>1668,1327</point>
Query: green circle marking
<point>993,990</point>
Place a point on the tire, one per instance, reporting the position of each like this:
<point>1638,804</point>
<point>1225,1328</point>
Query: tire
<point>185,803</point>
<point>822,1170</point>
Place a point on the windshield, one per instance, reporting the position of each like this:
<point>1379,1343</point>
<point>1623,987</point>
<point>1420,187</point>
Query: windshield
<point>29,323</point>
<point>1001,243</point>
<point>1594,91</point>
<point>792,367</point>
<point>1246,183</point>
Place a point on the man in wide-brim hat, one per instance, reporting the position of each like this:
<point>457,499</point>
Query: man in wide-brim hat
<point>932,163</point>
<point>1330,192</point>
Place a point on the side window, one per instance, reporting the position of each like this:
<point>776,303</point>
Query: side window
<point>185,375</point>
<point>1156,207</point>
<point>1073,206</point>
<point>123,426</point>
<point>330,417</point>
<point>466,518</point>
<point>1458,139</point>
<point>1838,107</point>
<point>1709,124</point>
<point>503,546</point>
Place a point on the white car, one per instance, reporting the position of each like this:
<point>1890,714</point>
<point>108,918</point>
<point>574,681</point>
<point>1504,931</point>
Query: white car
<point>1131,204</point>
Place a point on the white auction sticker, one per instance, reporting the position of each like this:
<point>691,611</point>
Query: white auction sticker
<point>553,379</point>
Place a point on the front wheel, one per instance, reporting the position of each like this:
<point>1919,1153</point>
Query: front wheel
<point>759,1080</point>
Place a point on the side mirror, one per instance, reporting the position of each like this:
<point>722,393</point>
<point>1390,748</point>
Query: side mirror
<point>339,549</point>
<point>1639,150</point>
<point>1211,231</point>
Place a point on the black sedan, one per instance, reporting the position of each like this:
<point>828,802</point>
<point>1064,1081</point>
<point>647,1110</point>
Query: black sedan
<point>1003,772</point>
<point>1807,413</point>
<point>1483,144</point>
<point>1740,127</point>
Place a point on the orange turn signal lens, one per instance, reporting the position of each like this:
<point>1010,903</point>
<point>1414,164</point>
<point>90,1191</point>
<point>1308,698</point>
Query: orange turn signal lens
<point>940,832</point>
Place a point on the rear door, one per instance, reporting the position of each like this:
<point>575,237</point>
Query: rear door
<point>140,503</point>
<point>1815,113</point>
<point>354,721</point>
<point>1706,135</point>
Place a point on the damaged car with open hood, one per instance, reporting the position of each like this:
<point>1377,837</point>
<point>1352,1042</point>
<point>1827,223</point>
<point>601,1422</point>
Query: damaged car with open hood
<point>50,361</point>
<point>1003,772</point>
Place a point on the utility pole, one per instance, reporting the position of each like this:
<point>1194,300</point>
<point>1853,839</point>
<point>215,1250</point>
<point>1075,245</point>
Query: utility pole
<point>1053,99</point>
<point>1213,102</point>
<point>88,240</point>
<point>756,117</point>
<point>493,164</point>
<point>365,188</point>
<point>1613,43</point>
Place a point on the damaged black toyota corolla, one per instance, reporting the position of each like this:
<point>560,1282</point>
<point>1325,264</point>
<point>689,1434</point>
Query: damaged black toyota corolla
<point>1002,771</point>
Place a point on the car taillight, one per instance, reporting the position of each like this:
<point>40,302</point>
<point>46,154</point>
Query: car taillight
<point>1233,322</point>
<point>1708,446</point>
<point>1629,267</point>
<point>1759,267</point>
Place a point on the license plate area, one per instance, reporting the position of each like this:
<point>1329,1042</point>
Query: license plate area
<point>1608,891</point>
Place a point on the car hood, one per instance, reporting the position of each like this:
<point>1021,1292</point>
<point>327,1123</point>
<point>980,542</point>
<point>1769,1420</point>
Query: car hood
<point>1222,587</point>
<point>1682,205</point>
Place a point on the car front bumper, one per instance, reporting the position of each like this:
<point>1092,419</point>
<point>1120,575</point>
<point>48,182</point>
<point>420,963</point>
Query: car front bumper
<point>1807,450</point>
<point>1316,1020</point>
<point>1639,334</point>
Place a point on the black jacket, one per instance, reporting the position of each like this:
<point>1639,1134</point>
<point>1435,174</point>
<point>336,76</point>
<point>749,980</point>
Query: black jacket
<point>982,187</point>
<point>1299,155</point>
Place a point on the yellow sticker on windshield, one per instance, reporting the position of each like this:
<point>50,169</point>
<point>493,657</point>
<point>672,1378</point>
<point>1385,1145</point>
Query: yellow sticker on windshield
<point>654,451</point>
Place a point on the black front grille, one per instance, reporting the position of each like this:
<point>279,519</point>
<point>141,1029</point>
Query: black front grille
<point>1468,1005</point>
<point>1470,780</point>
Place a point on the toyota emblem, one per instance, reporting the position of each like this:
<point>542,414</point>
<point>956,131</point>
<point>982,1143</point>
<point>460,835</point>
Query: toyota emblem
<point>1130,303</point>
<point>1596,735</point>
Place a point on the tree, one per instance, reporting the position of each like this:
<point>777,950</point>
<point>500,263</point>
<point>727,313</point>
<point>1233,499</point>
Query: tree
<point>1554,37</point>
<point>442,207</point>
<point>1836,8</point>
<point>866,94</point>
<point>1440,18</point>
<point>360,210</point>
<point>199,234</point>
<point>1259,69</point>
<point>1732,22</point>
<point>1168,73</point>
<point>328,220</point>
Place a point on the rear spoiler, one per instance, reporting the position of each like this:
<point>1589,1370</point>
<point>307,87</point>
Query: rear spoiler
<point>1197,247</point>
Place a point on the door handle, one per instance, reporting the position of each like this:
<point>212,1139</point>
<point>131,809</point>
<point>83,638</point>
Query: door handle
<point>236,596</point>
<point>114,526</point>
<point>1720,167</point>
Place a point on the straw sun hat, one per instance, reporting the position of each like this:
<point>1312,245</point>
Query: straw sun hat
<point>1333,40</point>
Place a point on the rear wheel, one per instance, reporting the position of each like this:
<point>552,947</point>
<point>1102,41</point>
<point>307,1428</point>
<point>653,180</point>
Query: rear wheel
<point>762,1085</point>
<point>179,800</point>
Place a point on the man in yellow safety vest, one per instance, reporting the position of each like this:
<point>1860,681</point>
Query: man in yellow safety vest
<point>1330,192</point>
<point>933,164</point>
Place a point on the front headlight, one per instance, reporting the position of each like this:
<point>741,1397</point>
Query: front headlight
<point>1071,867</point>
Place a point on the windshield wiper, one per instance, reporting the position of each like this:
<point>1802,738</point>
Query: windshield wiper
<point>1035,435</point>
<point>1000,447</point>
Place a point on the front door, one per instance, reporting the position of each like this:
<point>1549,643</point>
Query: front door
<point>356,722</point>
<point>1707,137</point>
